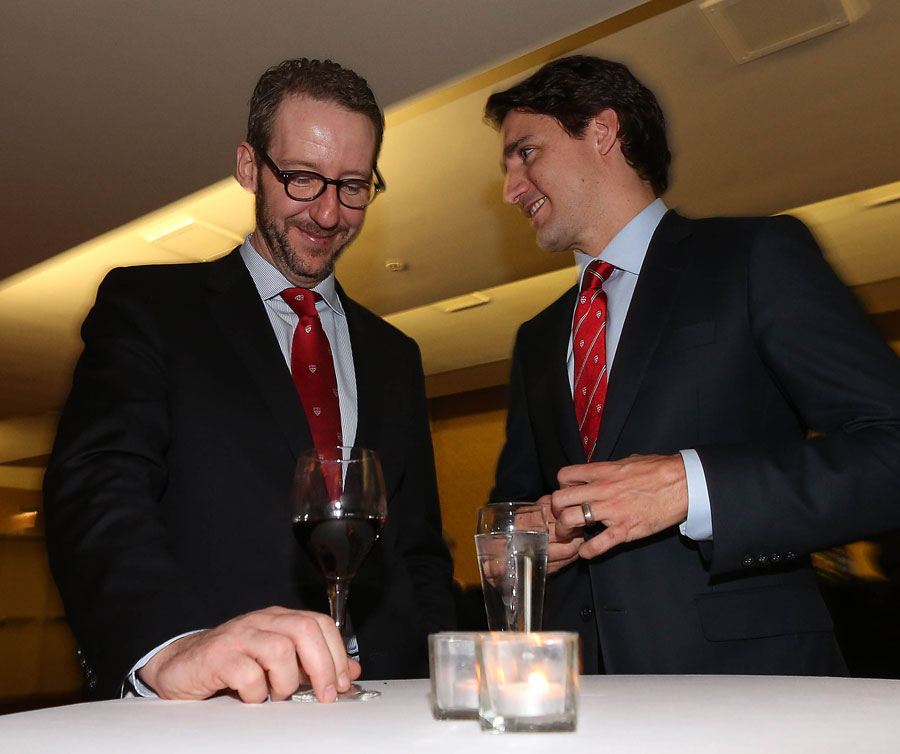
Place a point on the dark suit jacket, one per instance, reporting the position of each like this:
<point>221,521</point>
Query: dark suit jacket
<point>167,494</point>
<point>739,341</point>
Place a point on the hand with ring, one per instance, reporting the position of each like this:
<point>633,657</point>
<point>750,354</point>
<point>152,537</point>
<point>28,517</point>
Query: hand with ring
<point>632,498</point>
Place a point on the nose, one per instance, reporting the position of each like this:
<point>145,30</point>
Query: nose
<point>326,210</point>
<point>514,186</point>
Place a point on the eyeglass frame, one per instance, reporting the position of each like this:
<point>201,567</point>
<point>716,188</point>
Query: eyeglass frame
<point>285,176</point>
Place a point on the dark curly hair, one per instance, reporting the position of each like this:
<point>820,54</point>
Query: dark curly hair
<point>322,80</point>
<point>574,89</point>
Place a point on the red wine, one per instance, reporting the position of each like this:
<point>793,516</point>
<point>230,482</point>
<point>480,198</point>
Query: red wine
<point>338,545</point>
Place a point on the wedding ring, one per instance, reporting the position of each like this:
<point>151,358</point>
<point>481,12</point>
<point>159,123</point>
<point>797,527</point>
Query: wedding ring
<point>588,516</point>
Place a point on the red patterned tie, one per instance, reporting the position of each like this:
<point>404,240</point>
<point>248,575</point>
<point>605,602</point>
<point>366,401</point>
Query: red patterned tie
<point>589,348</point>
<point>312,368</point>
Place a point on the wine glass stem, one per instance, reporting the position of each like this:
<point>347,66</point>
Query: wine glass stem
<point>337,602</point>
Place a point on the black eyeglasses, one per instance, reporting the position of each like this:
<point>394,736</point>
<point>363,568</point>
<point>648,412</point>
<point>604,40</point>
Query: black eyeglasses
<point>305,185</point>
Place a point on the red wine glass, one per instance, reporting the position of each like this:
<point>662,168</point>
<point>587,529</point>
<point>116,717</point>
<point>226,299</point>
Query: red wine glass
<point>338,508</point>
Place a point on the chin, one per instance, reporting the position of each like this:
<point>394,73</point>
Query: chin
<point>551,244</point>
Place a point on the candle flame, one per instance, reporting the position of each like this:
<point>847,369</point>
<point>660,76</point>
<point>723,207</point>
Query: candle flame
<point>537,683</point>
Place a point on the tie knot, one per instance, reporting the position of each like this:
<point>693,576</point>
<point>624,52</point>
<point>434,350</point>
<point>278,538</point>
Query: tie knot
<point>596,274</point>
<point>301,300</point>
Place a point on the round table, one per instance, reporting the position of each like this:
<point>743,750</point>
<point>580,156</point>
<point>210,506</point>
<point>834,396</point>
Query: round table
<point>616,714</point>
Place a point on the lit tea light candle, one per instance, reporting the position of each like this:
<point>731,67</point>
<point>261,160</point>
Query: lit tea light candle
<point>535,697</point>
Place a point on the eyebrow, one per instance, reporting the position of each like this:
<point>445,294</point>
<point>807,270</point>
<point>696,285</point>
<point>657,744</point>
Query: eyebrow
<point>510,149</point>
<point>513,146</point>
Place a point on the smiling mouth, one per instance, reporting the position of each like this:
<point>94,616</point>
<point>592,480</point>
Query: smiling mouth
<point>317,238</point>
<point>532,210</point>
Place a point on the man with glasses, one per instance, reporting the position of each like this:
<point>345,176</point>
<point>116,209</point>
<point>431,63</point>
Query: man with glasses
<point>167,495</point>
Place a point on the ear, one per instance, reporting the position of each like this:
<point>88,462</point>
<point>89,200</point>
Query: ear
<point>246,170</point>
<point>605,129</point>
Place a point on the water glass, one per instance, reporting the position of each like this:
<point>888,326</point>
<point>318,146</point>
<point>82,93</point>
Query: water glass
<point>511,543</point>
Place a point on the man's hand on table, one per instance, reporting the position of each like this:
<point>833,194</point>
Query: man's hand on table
<point>267,653</point>
<point>633,498</point>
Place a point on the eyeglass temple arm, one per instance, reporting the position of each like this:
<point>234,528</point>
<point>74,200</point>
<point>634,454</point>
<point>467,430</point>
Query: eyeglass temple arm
<point>380,185</point>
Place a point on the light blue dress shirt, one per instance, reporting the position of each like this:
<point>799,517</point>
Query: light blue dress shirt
<point>626,252</point>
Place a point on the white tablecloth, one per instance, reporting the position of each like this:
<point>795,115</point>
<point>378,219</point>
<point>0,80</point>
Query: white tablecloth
<point>616,714</point>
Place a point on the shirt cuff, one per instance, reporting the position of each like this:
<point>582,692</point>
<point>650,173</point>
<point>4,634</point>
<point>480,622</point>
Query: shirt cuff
<point>137,686</point>
<point>698,525</point>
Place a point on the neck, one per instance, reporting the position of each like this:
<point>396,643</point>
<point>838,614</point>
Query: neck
<point>611,224</point>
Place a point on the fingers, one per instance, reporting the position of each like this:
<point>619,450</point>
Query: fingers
<point>570,520</point>
<point>321,653</point>
<point>560,529</point>
<point>602,542</point>
<point>245,675</point>
<point>559,555</point>
<point>275,654</point>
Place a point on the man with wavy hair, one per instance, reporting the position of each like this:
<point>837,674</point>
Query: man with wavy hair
<point>704,409</point>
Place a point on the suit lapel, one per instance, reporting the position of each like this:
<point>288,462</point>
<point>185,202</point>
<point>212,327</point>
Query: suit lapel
<point>651,305</point>
<point>366,366</point>
<point>235,305</point>
<point>548,376</point>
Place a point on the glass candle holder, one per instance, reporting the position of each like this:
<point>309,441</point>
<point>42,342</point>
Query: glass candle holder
<point>454,675</point>
<point>528,681</point>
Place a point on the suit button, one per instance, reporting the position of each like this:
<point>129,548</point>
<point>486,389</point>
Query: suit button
<point>762,559</point>
<point>790,555</point>
<point>587,613</point>
<point>747,561</point>
<point>776,557</point>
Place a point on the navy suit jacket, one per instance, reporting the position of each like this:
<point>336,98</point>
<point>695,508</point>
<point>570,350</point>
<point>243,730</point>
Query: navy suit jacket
<point>739,342</point>
<point>167,494</point>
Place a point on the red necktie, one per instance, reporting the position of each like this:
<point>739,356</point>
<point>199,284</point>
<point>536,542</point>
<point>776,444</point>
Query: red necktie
<point>589,348</point>
<point>312,368</point>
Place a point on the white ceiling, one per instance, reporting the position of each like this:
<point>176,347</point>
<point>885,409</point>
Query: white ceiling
<point>123,108</point>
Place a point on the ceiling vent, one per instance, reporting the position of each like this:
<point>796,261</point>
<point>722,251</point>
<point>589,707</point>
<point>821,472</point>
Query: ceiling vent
<point>753,28</point>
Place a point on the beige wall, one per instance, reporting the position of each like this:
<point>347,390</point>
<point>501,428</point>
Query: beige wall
<point>37,651</point>
<point>468,431</point>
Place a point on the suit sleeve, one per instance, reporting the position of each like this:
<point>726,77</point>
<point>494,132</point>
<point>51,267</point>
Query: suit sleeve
<point>775,500</point>
<point>518,475</point>
<point>105,538</point>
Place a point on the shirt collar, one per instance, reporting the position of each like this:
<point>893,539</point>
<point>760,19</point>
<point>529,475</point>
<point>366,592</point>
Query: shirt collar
<point>270,282</point>
<point>629,246</point>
